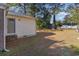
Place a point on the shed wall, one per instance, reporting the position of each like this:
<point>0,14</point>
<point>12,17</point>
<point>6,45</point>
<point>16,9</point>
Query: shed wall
<point>25,27</point>
<point>2,29</point>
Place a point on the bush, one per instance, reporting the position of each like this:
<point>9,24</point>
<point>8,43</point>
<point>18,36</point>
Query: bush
<point>43,24</point>
<point>58,23</point>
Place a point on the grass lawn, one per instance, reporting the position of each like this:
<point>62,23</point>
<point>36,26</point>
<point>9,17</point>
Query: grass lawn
<point>46,42</point>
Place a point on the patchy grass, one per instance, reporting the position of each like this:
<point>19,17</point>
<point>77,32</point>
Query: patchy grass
<point>68,36</point>
<point>46,42</point>
<point>76,49</point>
<point>21,47</point>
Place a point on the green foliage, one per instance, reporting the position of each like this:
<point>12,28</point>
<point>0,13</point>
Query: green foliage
<point>42,24</point>
<point>23,6</point>
<point>59,23</point>
<point>40,9</point>
<point>33,9</point>
<point>11,4</point>
<point>76,49</point>
<point>39,24</point>
<point>74,15</point>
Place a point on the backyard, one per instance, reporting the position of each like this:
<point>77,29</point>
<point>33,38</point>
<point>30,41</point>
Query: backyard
<point>45,43</point>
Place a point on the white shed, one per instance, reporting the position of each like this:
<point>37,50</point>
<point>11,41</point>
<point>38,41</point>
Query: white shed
<point>19,25</point>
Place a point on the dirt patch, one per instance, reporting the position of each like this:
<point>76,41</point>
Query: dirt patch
<point>45,43</point>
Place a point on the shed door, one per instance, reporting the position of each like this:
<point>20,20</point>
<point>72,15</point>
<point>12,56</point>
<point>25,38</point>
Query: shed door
<point>11,26</point>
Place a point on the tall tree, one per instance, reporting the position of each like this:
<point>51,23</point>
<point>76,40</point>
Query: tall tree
<point>74,14</point>
<point>56,7</point>
<point>41,12</point>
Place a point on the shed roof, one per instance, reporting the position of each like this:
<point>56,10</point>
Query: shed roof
<point>13,14</point>
<point>19,16</point>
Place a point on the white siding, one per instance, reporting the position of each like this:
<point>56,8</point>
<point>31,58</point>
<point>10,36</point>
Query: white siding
<point>25,27</point>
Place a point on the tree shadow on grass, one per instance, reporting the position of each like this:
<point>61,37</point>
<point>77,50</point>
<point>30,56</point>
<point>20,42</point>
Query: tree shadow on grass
<point>12,41</point>
<point>39,45</point>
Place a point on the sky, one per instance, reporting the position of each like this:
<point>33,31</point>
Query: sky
<point>60,16</point>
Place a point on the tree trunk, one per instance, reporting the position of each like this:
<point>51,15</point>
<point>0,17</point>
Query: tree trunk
<point>54,21</point>
<point>25,9</point>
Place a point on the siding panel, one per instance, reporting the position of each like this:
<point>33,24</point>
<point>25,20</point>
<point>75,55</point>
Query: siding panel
<point>1,29</point>
<point>25,27</point>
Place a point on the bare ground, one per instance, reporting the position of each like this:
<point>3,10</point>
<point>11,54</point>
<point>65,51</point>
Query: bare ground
<point>45,43</point>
